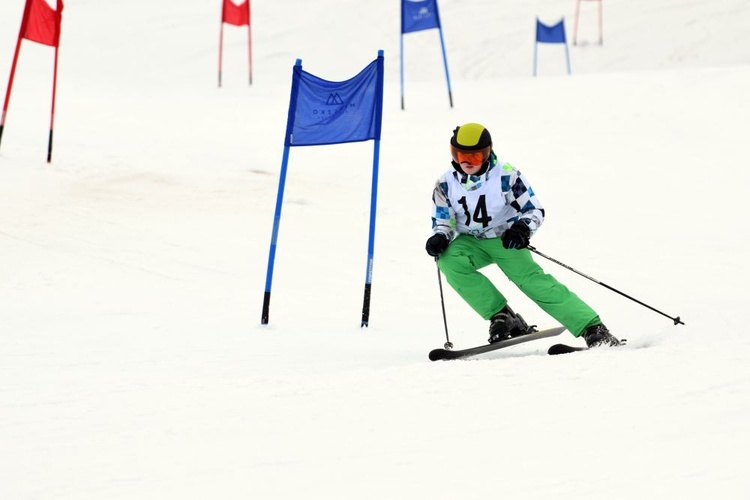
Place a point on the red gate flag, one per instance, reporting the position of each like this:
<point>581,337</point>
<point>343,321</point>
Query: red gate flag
<point>42,24</point>
<point>575,25</point>
<point>238,15</point>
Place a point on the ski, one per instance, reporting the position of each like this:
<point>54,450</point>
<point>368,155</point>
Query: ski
<point>565,349</point>
<point>446,354</point>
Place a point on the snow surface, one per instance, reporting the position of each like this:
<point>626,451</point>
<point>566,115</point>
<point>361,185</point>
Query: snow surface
<point>132,360</point>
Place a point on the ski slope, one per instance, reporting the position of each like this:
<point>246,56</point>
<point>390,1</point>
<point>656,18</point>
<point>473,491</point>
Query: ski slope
<point>132,360</point>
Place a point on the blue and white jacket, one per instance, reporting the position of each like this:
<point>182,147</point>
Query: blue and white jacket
<point>484,206</point>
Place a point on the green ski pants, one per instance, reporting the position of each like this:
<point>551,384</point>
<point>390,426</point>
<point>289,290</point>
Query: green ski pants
<point>466,255</point>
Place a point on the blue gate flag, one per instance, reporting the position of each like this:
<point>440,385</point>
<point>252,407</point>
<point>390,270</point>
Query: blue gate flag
<point>550,34</point>
<point>418,15</point>
<point>324,112</point>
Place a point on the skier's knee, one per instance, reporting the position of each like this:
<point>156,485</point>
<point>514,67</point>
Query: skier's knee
<point>456,263</point>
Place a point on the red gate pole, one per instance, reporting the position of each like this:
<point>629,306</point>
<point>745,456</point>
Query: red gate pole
<point>249,47</point>
<point>221,43</point>
<point>52,111</point>
<point>9,89</point>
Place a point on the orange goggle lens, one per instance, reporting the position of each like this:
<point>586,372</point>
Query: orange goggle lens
<point>471,157</point>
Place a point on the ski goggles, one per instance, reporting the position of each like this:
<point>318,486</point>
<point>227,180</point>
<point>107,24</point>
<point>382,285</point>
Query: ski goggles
<point>471,157</point>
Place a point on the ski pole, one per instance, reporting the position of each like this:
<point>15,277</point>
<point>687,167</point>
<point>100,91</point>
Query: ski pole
<point>676,320</point>
<point>448,344</point>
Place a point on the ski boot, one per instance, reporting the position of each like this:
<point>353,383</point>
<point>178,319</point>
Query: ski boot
<point>506,324</point>
<point>599,335</point>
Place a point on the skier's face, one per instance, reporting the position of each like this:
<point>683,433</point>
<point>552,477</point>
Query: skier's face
<point>470,169</point>
<point>470,161</point>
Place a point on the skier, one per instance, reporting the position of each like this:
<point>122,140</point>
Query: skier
<point>484,212</point>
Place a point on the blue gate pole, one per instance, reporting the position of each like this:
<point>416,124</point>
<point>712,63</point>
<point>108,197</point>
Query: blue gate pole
<point>374,192</point>
<point>371,241</point>
<point>402,71</point>
<point>274,237</point>
<point>445,63</point>
<point>296,72</point>
<point>536,43</point>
